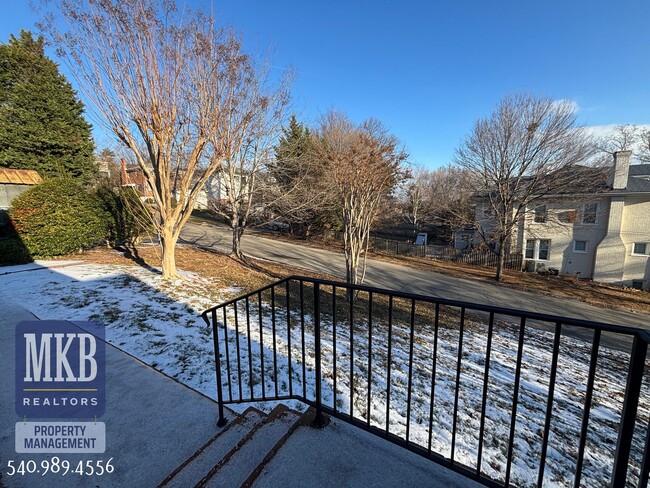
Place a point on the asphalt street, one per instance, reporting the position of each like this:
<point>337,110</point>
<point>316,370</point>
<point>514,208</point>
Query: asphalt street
<point>402,278</point>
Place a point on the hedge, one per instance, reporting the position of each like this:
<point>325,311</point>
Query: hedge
<point>58,217</point>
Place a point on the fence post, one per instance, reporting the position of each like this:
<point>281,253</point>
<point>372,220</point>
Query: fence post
<point>628,416</point>
<point>319,421</point>
<point>221,421</point>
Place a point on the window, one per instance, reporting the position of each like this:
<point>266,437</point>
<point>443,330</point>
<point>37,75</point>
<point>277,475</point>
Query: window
<point>641,248</point>
<point>637,284</point>
<point>589,215</point>
<point>530,248</point>
<point>579,246</point>
<point>542,253</point>
<point>540,213</point>
<point>538,249</point>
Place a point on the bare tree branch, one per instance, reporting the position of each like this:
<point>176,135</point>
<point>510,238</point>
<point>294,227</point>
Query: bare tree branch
<point>363,164</point>
<point>624,138</point>
<point>528,149</point>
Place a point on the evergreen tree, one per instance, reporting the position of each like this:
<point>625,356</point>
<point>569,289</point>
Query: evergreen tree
<point>304,200</point>
<point>292,153</point>
<point>41,120</point>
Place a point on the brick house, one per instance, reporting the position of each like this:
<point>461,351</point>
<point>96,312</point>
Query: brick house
<point>133,176</point>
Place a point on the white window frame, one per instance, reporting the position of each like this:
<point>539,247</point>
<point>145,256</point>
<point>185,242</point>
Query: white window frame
<point>580,251</point>
<point>647,249</point>
<point>595,213</point>
<point>536,249</point>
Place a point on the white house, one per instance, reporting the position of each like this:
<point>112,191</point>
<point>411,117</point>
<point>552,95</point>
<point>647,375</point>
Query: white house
<point>604,235</point>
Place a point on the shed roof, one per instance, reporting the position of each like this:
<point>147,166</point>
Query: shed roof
<point>19,177</point>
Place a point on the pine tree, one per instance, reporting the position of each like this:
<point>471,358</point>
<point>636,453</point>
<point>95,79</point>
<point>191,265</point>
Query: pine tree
<point>300,181</point>
<point>291,153</point>
<point>41,120</point>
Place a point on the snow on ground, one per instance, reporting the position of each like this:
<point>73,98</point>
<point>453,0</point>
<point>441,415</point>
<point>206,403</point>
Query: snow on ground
<point>159,322</point>
<point>155,320</point>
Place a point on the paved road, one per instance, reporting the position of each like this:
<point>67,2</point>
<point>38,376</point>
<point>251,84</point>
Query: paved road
<point>403,278</point>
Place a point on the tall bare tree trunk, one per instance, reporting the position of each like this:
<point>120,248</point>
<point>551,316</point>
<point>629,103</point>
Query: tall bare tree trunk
<point>237,232</point>
<point>168,239</point>
<point>501,259</point>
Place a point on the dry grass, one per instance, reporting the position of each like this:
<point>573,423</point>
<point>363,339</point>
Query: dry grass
<point>588,291</point>
<point>260,273</point>
<point>207,263</point>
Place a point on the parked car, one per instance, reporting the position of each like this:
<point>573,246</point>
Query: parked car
<point>278,225</point>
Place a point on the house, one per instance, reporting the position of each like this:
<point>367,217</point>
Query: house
<point>133,176</point>
<point>12,183</point>
<point>218,188</point>
<point>108,169</point>
<point>603,235</point>
<point>224,182</point>
<point>622,256</point>
<point>15,181</point>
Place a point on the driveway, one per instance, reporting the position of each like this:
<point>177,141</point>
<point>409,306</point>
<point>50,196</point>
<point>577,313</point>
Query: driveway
<point>402,278</point>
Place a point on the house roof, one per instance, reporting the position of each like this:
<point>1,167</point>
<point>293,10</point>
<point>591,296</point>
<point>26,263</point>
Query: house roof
<point>638,179</point>
<point>19,177</point>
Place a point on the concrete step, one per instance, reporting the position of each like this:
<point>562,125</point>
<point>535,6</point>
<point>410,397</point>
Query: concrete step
<point>245,462</point>
<point>344,455</point>
<point>195,468</point>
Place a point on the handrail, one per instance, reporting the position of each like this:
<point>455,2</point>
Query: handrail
<point>260,339</point>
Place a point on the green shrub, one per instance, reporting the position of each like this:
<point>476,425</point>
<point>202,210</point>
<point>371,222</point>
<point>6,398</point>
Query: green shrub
<point>58,217</point>
<point>129,219</point>
<point>13,251</point>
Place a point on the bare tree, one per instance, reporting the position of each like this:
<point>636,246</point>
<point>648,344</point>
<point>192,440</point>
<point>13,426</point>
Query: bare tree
<point>644,146</point>
<point>249,141</point>
<point>438,197</point>
<point>624,138</point>
<point>167,83</point>
<point>363,164</point>
<point>528,149</point>
<point>415,201</point>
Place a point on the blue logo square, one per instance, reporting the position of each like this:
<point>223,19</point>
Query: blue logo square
<point>60,369</point>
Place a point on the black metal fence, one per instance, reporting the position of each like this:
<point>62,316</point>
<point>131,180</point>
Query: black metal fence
<point>501,396</point>
<point>474,256</point>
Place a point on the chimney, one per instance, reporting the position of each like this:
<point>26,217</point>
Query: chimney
<point>621,169</point>
<point>124,177</point>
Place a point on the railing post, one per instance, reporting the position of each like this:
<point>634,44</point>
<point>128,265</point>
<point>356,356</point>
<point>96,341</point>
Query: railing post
<point>628,416</point>
<point>221,421</point>
<point>319,421</point>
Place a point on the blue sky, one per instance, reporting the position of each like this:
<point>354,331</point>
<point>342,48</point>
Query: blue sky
<point>429,69</point>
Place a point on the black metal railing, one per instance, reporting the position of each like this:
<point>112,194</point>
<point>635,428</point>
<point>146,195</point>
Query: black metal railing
<point>501,396</point>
